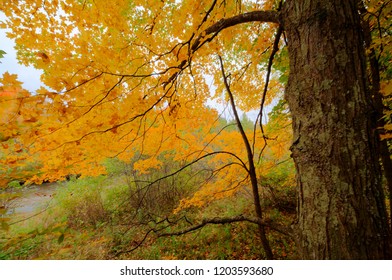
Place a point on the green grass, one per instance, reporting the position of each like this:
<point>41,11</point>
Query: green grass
<point>94,218</point>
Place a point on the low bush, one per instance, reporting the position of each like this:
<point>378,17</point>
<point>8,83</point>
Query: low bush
<point>81,203</point>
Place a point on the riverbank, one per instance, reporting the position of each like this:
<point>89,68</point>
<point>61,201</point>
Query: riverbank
<point>19,203</point>
<point>99,218</point>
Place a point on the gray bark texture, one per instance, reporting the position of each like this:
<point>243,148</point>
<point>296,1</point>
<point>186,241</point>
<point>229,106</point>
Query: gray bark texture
<point>341,205</point>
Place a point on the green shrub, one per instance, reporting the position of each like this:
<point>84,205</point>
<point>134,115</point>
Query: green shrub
<point>81,202</point>
<point>14,184</point>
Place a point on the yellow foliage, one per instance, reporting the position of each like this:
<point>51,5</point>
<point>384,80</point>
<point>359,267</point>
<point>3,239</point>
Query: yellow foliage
<point>122,80</point>
<point>143,166</point>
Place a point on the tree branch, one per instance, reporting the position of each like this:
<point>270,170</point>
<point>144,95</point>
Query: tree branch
<point>275,49</point>
<point>215,221</point>
<point>228,220</point>
<point>254,16</point>
<point>259,16</point>
<point>251,168</point>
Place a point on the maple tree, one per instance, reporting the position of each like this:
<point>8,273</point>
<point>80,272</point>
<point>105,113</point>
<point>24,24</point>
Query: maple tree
<point>132,79</point>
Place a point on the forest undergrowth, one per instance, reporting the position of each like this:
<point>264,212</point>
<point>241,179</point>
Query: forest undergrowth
<point>104,217</point>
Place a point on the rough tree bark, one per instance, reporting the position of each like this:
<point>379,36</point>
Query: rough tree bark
<point>341,207</point>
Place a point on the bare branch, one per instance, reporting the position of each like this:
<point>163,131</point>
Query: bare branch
<point>275,49</point>
<point>138,244</point>
<point>251,167</point>
<point>237,118</point>
<point>228,220</point>
<point>208,221</point>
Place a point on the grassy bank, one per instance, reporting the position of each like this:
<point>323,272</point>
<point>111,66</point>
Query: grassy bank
<point>96,218</point>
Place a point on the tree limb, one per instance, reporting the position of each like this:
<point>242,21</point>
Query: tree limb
<point>215,221</point>
<point>260,16</point>
<point>228,220</point>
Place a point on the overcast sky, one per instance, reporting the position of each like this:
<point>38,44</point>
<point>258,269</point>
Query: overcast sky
<point>28,75</point>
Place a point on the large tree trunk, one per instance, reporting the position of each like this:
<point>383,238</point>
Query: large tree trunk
<point>341,207</point>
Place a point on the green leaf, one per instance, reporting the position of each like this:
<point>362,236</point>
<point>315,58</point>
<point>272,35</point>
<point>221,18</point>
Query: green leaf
<point>2,53</point>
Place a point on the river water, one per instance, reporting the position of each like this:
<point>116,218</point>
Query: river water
<point>26,201</point>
